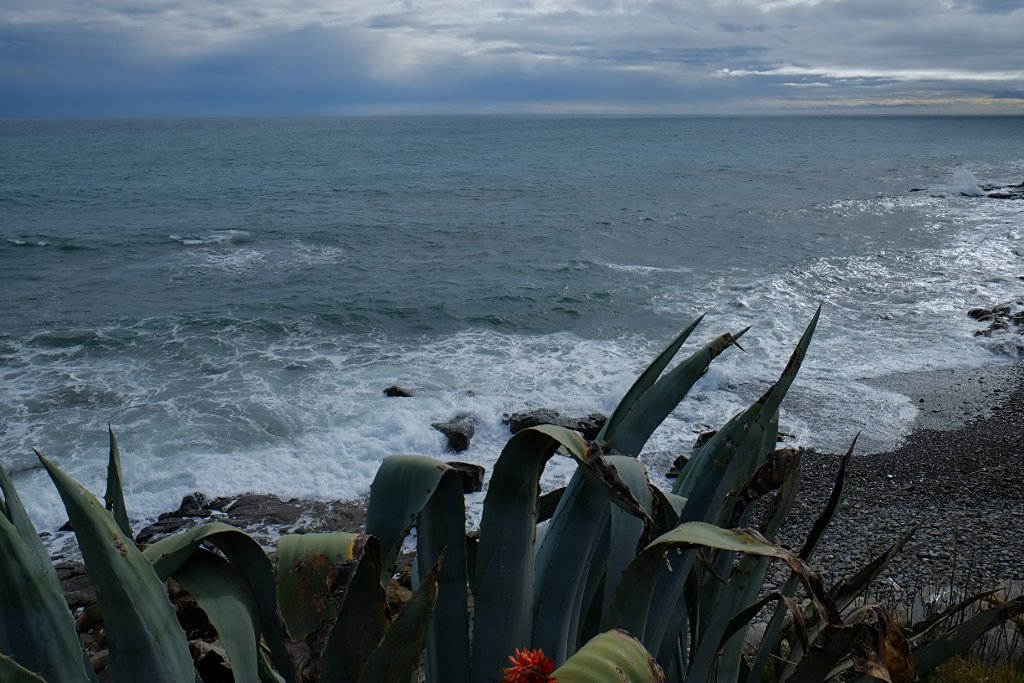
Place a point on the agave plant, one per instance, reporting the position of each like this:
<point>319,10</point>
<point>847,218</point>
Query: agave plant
<point>606,579</point>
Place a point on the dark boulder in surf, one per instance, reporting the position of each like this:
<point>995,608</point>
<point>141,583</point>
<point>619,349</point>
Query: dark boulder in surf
<point>1004,192</point>
<point>459,430</point>
<point>470,474</point>
<point>587,425</point>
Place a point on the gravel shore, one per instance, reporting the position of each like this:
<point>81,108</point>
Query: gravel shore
<point>958,479</point>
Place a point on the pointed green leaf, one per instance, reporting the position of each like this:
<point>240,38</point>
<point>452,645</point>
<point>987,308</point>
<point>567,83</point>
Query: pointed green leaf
<point>113,498</point>
<point>414,489</point>
<point>399,653</point>
<point>931,655</point>
<point>441,531</point>
<point>13,509</point>
<point>141,626</point>
<point>363,617</point>
<point>645,381</point>
<point>248,559</point>
<point>35,624</point>
<point>644,415</point>
<point>502,619</point>
<point>12,672</point>
<point>563,562</point>
<point>229,605</point>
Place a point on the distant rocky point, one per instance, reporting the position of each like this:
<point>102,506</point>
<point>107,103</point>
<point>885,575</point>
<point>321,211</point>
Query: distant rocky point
<point>1005,192</point>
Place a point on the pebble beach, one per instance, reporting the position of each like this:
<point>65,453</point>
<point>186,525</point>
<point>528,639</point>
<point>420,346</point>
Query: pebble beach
<point>957,481</point>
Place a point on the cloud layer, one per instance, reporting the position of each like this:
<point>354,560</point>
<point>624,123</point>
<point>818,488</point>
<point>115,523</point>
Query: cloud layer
<point>255,57</point>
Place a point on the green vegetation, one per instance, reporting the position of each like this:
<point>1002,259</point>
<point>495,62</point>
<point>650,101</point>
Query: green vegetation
<point>606,579</point>
<point>969,670</point>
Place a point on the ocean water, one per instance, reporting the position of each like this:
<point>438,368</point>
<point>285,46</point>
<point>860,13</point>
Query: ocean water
<point>234,295</point>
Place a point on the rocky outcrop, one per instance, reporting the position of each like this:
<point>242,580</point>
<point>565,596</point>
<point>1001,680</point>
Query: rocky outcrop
<point>1002,317</point>
<point>396,391</point>
<point>471,475</point>
<point>459,431</point>
<point>264,516</point>
<point>588,425</point>
<point>1005,192</point>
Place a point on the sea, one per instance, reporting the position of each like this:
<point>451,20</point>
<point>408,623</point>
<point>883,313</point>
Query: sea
<point>232,296</point>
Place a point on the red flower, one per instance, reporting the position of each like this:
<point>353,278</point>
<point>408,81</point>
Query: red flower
<point>529,666</point>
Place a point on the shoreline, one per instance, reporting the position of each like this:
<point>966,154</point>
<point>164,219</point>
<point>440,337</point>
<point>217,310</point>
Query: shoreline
<point>958,478</point>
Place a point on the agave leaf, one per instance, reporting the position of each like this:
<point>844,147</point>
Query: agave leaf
<point>363,617</point>
<point>825,656</point>
<point>229,605</point>
<point>611,657</point>
<point>504,596</point>
<point>547,504</point>
<point>627,529</point>
<point>642,416</point>
<point>921,629</point>
<point>667,507</point>
<point>870,641</point>
<point>113,498</point>
<point>734,540</point>
<point>398,655</point>
<point>142,628</point>
<point>266,669</point>
<point>700,481</point>
<point>823,521</point>
<point>35,624</point>
<point>251,563</point>
<point>401,488</point>
<point>441,531</point>
<point>416,489</point>
<point>563,562</point>
<point>13,509</point>
<point>12,672</point>
<point>311,568</point>
<point>847,590</point>
<point>770,640</point>
<point>645,381</point>
<point>745,582</point>
<point>650,594</point>
<point>931,655</point>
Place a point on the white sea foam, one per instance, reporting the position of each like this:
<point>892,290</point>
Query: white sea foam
<point>965,183</point>
<point>213,238</point>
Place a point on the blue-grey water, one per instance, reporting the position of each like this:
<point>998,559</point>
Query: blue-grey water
<point>233,295</point>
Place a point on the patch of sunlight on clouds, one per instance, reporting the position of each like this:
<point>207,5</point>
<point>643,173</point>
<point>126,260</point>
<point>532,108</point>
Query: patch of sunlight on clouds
<point>895,74</point>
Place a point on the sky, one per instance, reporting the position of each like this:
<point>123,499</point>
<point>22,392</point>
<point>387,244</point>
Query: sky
<point>142,58</point>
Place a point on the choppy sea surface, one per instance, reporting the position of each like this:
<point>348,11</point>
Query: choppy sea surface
<point>234,295</point>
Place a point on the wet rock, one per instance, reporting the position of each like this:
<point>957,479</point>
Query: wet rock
<point>588,425</point>
<point>397,392</point>
<point>459,431</point>
<point>78,589</point>
<point>703,438</point>
<point>1004,192</point>
<point>471,475</point>
<point>677,466</point>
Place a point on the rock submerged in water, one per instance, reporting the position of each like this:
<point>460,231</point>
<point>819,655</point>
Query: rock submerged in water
<point>459,430</point>
<point>1005,192</point>
<point>396,391</point>
<point>588,425</point>
<point>1000,317</point>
